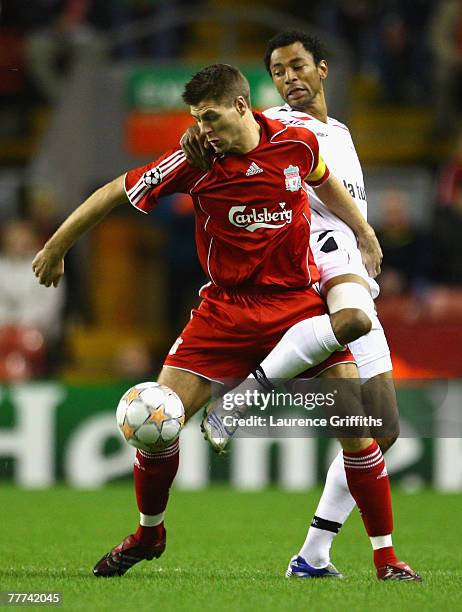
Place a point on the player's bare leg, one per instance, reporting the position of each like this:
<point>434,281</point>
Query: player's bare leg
<point>379,400</point>
<point>336,502</point>
<point>369,485</point>
<point>154,474</point>
<point>379,394</point>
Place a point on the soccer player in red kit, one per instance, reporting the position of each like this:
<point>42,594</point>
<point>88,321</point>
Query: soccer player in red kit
<point>252,235</point>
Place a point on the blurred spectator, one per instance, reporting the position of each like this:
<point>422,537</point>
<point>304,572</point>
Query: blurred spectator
<point>386,39</point>
<point>447,222</point>
<point>449,182</point>
<point>403,51</point>
<point>53,47</point>
<point>403,266</point>
<point>350,20</point>
<point>165,44</point>
<point>446,42</point>
<point>393,54</point>
<point>68,28</point>
<point>30,314</point>
<point>447,232</point>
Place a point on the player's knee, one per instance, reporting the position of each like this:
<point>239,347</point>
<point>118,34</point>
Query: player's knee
<point>360,322</point>
<point>349,324</point>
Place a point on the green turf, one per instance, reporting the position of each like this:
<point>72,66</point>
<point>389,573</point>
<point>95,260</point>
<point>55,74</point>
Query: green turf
<point>226,551</point>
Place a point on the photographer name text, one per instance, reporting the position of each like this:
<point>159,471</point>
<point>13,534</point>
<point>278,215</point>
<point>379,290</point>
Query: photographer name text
<point>272,421</point>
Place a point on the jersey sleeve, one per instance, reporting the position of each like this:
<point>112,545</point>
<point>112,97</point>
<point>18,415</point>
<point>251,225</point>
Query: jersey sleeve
<point>167,175</point>
<point>319,172</point>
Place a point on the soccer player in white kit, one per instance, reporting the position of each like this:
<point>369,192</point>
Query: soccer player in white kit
<point>297,65</point>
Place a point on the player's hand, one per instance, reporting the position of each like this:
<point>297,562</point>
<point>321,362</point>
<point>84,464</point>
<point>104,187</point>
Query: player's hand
<point>196,148</point>
<point>371,252</point>
<point>48,267</point>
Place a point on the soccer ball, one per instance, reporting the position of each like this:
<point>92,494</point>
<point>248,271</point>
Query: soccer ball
<point>150,416</point>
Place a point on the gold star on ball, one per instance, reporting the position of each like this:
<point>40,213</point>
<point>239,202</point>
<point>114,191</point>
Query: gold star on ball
<point>157,416</point>
<point>132,394</point>
<point>127,430</point>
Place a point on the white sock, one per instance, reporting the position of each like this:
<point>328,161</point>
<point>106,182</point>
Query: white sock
<point>151,520</point>
<point>381,541</point>
<point>303,346</point>
<point>333,509</point>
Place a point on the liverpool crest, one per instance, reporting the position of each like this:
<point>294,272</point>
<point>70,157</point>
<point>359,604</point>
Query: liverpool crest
<point>293,178</point>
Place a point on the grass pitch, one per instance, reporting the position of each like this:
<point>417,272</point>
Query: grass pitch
<point>226,551</point>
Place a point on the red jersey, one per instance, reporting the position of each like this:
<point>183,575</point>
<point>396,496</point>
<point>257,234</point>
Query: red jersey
<point>252,210</point>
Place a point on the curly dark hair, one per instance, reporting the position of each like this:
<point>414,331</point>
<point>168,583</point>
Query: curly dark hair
<point>288,37</point>
<point>218,82</point>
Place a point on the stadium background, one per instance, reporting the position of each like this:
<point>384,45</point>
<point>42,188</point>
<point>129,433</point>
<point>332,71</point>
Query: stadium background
<point>90,88</point>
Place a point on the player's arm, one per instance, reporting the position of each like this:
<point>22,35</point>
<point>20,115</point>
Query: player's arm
<point>337,199</point>
<point>48,264</point>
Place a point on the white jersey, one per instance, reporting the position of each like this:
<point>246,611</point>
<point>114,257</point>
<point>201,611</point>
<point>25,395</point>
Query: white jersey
<point>339,153</point>
<point>337,252</point>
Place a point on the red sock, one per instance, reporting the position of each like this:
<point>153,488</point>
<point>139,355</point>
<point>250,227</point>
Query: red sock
<point>369,484</point>
<point>150,535</point>
<point>384,556</point>
<point>154,474</point>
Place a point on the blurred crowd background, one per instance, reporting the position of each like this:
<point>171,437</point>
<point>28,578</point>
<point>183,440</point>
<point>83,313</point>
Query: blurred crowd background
<point>89,88</point>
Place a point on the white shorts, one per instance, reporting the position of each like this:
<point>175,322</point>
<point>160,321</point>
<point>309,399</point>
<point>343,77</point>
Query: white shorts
<point>371,352</point>
<point>335,253</point>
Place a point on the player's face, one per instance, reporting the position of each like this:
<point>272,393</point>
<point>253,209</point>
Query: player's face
<point>219,123</point>
<point>296,76</point>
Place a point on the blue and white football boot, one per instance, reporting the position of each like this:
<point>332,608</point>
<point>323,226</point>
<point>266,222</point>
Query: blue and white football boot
<point>299,568</point>
<point>219,424</point>
<point>214,429</point>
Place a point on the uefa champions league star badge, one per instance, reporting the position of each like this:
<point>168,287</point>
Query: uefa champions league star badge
<point>153,177</point>
<point>293,178</point>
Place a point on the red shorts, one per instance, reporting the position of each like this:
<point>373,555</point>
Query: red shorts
<point>231,332</point>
